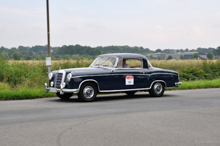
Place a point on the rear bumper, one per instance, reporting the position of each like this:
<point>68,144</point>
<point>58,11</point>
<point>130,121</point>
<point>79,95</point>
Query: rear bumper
<point>178,84</point>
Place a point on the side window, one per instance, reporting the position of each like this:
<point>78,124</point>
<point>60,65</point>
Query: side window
<point>129,63</point>
<point>134,63</point>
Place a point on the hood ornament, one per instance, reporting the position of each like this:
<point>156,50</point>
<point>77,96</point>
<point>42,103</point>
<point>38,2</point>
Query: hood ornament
<point>60,68</point>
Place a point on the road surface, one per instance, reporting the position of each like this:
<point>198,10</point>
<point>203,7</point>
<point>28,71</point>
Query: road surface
<point>186,117</point>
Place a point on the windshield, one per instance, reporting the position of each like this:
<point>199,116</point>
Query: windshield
<point>105,61</point>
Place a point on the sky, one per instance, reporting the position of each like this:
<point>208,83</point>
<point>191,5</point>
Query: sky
<point>153,24</point>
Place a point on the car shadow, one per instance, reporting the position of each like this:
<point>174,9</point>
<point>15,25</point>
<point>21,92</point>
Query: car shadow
<point>114,97</point>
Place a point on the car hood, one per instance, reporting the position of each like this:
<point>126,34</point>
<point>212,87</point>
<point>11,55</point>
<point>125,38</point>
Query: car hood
<point>86,71</point>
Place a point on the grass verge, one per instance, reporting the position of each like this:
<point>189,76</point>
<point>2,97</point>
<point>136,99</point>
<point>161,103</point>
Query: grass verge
<point>24,94</point>
<point>199,84</point>
<point>9,94</point>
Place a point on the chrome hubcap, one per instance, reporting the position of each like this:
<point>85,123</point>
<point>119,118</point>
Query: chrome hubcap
<point>158,87</point>
<point>88,92</point>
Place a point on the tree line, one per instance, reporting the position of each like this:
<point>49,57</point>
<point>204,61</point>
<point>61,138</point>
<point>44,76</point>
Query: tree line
<point>86,52</point>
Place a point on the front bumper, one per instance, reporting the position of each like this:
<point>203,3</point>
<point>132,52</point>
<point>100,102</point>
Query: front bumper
<point>178,84</point>
<point>62,91</point>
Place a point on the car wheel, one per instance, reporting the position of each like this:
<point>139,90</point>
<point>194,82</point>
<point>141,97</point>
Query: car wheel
<point>130,93</point>
<point>87,92</point>
<point>64,96</point>
<point>157,89</point>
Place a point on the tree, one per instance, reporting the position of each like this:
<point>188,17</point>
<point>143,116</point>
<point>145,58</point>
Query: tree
<point>40,52</point>
<point>27,57</point>
<point>167,51</point>
<point>182,57</point>
<point>158,50</point>
<point>170,57</point>
<point>181,50</point>
<point>15,56</point>
<point>159,58</point>
<point>205,50</point>
<point>195,56</point>
<point>216,52</point>
<point>147,50</point>
<point>210,56</point>
<point>151,56</point>
<point>5,55</point>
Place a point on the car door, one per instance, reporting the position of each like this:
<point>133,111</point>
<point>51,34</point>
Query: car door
<point>129,78</point>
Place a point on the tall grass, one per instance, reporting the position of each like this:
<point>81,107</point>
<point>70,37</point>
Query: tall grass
<point>165,64</point>
<point>34,73</point>
<point>179,64</point>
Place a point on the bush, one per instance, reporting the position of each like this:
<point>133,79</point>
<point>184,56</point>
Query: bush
<point>191,73</point>
<point>4,86</point>
<point>212,69</point>
<point>4,68</point>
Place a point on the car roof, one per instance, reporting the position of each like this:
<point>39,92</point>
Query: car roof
<point>125,55</point>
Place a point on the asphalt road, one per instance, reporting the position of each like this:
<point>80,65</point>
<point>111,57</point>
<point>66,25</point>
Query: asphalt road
<point>187,117</point>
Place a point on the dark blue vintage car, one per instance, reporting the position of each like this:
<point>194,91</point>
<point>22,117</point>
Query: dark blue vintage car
<point>117,72</point>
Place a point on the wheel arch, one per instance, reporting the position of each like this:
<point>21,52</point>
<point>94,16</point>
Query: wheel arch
<point>159,81</point>
<point>89,81</point>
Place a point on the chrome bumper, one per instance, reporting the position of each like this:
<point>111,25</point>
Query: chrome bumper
<point>46,88</point>
<point>178,84</point>
<point>62,91</point>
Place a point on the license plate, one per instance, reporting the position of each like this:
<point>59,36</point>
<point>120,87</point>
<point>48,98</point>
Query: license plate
<point>53,90</point>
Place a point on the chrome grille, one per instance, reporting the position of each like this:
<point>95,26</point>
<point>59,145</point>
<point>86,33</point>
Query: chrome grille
<point>58,80</point>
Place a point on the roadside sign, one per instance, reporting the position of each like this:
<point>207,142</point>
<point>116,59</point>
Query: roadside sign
<point>48,61</point>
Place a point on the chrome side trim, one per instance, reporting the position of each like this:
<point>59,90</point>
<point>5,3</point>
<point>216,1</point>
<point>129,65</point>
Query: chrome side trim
<point>107,75</point>
<point>161,73</point>
<point>122,90</point>
<point>119,74</point>
<point>127,68</point>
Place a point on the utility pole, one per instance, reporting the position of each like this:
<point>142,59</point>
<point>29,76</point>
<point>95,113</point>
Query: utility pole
<point>48,59</point>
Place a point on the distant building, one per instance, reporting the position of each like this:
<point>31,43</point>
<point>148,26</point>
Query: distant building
<point>159,56</point>
<point>176,56</point>
<point>188,55</point>
<point>203,57</point>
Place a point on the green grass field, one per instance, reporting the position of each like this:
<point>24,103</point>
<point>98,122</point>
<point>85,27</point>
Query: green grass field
<point>25,79</point>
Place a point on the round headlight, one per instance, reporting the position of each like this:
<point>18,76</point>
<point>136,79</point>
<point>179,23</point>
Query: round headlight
<point>50,76</point>
<point>69,76</point>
